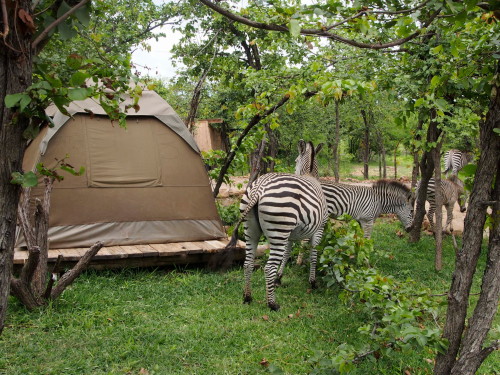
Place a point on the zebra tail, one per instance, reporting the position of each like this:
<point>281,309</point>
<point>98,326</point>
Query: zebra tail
<point>224,259</point>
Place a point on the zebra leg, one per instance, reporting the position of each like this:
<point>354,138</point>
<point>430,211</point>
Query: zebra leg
<point>430,217</point>
<point>284,261</point>
<point>315,240</point>
<point>367,227</point>
<point>271,269</point>
<point>252,236</point>
<point>449,217</point>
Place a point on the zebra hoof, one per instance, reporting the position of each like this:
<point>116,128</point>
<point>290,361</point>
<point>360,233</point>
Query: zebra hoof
<point>277,282</point>
<point>247,299</point>
<point>313,284</point>
<point>273,306</point>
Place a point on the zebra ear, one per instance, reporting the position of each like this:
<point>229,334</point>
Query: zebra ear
<point>318,148</point>
<point>302,146</point>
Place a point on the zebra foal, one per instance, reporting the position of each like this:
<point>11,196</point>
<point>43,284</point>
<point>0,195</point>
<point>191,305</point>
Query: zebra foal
<point>283,207</point>
<point>455,160</point>
<point>452,190</point>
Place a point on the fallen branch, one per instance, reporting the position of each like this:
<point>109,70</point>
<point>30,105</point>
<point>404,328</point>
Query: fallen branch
<point>72,274</point>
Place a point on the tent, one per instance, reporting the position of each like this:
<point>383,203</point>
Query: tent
<point>143,184</point>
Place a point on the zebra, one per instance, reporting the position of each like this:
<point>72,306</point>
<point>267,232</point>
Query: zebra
<point>452,190</point>
<point>455,160</point>
<point>366,203</point>
<point>285,207</point>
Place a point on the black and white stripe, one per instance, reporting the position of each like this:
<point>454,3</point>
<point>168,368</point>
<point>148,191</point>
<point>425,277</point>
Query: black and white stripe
<point>366,203</point>
<point>455,160</point>
<point>283,207</point>
<point>452,190</point>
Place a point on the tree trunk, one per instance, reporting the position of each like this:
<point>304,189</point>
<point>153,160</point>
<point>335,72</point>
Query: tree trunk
<point>336,142</point>
<point>396,161</point>
<point>438,223</point>
<point>366,144</point>
<point>15,76</point>
<point>426,168</point>
<point>472,354</point>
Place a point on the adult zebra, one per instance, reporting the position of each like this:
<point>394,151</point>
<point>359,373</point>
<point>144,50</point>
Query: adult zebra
<point>452,190</point>
<point>285,207</point>
<point>366,203</point>
<point>455,160</point>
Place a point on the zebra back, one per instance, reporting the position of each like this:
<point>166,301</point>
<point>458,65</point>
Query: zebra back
<point>455,160</point>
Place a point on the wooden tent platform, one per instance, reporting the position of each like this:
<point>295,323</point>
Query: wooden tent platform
<point>140,255</point>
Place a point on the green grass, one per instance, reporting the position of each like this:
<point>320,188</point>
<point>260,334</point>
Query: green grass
<point>191,321</point>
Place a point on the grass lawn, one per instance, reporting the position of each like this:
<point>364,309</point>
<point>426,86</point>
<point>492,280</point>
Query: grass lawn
<point>191,321</point>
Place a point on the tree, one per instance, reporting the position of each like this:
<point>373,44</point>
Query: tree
<point>26,29</point>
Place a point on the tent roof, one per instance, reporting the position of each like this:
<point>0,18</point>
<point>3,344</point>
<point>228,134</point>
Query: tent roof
<point>150,104</point>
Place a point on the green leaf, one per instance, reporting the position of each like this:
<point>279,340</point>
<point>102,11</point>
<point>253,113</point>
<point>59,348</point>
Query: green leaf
<point>437,49</point>
<point>83,15</point>
<point>28,179</point>
<point>79,93</point>
<point>435,81</point>
<point>66,30</point>
<point>12,99</point>
<point>78,78</point>
<point>25,100</point>
<point>294,27</point>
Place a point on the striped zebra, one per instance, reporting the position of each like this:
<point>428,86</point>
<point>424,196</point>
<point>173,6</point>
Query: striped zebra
<point>455,160</point>
<point>452,190</point>
<point>366,203</point>
<point>284,207</point>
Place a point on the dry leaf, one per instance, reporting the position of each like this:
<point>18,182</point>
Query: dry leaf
<point>143,371</point>
<point>265,317</point>
<point>27,20</point>
<point>407,372</point>
<point>264,362</point>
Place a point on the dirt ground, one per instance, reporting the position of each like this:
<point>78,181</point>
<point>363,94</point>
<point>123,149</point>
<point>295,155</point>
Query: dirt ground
<point>237,188</point>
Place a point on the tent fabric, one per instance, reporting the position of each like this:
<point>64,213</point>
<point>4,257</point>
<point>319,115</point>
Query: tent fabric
<point>150,104</point>
<point>143,184</point>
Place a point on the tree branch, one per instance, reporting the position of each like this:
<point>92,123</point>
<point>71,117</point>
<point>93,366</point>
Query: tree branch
<point>320,32</point>
<point>57,22</point>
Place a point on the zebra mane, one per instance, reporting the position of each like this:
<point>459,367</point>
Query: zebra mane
<point>313,156</point>
<point>396,185</point>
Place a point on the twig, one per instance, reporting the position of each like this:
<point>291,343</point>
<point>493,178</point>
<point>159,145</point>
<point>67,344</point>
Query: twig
<point>57,22</point>
<point>55,270</point>
<point>5,21</point>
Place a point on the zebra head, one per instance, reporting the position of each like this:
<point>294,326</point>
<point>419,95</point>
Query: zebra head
<point>306,162</point>
<point>397,198</point>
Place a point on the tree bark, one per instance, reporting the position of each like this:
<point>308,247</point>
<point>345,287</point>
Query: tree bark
<point>366,144</point>
<point>15,76</point>
<point>426,168</point>
<point>438,199</point>
<point>467,258</point>
<point>336,142</point>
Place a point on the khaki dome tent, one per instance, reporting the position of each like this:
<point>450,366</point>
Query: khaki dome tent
<point>144,184</point>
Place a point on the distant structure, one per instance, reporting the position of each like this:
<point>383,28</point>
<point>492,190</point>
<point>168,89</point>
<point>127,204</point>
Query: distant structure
<point>207,136</point>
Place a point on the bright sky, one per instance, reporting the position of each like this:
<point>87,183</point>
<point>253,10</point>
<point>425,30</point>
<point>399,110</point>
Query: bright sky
<point>157,62</point>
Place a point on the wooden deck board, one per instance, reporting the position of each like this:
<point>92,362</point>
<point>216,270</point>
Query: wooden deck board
<point>132,251</point>
<point>143,255</point>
